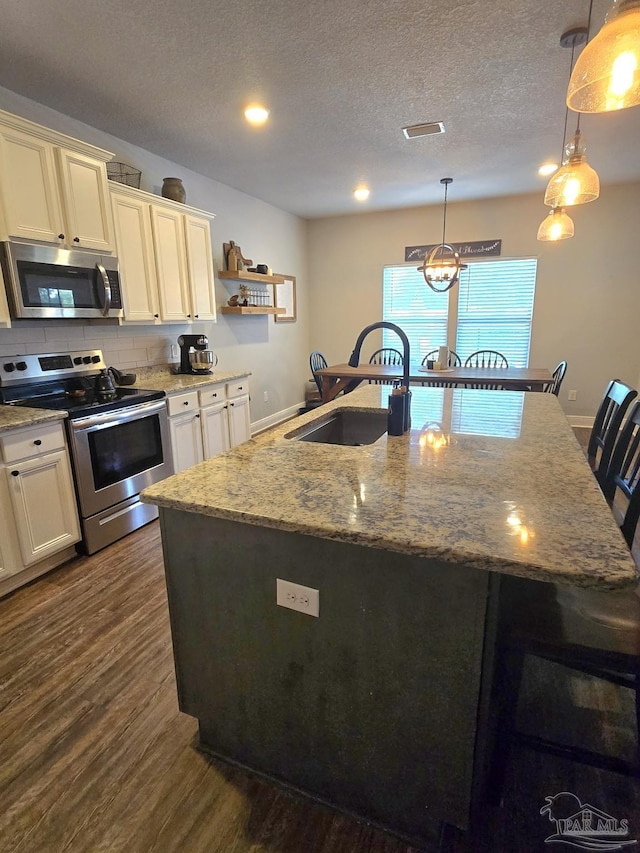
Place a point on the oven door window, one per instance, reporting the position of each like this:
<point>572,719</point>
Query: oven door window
<point>125,449</point>
<point>51,286</point>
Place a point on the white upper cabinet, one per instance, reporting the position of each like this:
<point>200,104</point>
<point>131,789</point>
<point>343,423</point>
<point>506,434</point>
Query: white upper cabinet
<point>136,258</point>
<point>166,263</point>
<point>51,192</point>
<point>171,264</point>
<point>86,201</point>
<point>200,267</point>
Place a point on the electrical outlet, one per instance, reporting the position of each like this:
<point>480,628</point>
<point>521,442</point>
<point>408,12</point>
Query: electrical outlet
<point>297,597</point>
<point>265,396</point>
<point>573,395</point>
<point>174,350</point>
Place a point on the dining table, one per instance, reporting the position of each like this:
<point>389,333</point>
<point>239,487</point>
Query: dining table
<point>344,377</point>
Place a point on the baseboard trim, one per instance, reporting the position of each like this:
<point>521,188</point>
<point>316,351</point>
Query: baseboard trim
<point>276,418</point>
<point>581,421</point>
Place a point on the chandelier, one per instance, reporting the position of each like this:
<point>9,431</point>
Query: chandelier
<point>441,266</point>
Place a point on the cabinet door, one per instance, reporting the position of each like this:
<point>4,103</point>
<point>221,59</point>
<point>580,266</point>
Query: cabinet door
<point>171,264</point>
<point>200,264</point>
<point>135,254</point>
<point>30,195</point>
<point>239,420</point>
<point>215,429</point>
<point>5,319</point>
<point>44,506</point>
<point>186,440</point>
<point>86,201</point>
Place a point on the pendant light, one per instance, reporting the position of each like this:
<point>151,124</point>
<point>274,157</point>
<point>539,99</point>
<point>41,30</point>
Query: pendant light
<point>441,266</point>
<point>607,74</point>
<point>557,225</point>
<point>575,182</point>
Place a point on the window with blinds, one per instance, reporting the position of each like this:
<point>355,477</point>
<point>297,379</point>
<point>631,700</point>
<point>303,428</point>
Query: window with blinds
<point>420,313</point>
<point>494,309</point>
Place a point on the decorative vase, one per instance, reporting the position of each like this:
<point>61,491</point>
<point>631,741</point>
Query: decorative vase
<point>172,188</point>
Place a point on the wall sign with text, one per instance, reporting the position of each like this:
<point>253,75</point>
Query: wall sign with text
<point>476,249</point>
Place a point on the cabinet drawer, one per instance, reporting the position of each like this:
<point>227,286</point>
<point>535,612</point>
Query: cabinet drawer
<point>238,388</point>
<point>25,443</point>
<point>212,394</point>
<point>181,403</point>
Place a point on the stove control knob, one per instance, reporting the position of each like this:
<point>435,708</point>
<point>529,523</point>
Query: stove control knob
<point>21,365</point>
<point>9,367</point>
<point>77,359</point>
<point>86,359</point>
<point>95,359</point>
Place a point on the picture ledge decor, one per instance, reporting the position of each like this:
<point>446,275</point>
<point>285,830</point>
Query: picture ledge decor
<point>284,296</point>
<point>473,249</point>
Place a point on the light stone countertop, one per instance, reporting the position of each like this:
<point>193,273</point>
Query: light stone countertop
<point>512,493</point>
<point>150,378</point>
<point>15,417</point>
<point>161,379</point>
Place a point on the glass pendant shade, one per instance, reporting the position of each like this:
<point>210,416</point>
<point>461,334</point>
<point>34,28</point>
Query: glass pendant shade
<point>606,76</point>
<point>575,182</point>
<point>557,225</point>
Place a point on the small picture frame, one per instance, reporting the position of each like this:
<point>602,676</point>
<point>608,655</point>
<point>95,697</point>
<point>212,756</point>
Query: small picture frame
<point>284,296</point>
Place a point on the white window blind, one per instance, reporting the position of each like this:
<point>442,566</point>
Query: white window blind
<point>495,309</point>
<point>420,313</point>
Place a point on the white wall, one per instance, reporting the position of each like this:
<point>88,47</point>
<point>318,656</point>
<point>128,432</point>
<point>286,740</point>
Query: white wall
<point>275,353</point>
<point>587,306</point>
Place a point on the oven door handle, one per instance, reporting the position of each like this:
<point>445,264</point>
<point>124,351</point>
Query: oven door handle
<point>107,289</point>
<point>118,416</point>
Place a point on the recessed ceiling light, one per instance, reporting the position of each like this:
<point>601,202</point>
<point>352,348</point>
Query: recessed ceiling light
<point>425,129</point>
<point>256,114</point>
<point>547,169</point>
<point>361,193</point>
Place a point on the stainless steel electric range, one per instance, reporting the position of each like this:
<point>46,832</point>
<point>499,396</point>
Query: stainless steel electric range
<point>118,446</point>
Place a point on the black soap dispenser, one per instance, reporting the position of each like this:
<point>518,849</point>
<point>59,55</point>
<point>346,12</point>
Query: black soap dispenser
<point>396,412</point>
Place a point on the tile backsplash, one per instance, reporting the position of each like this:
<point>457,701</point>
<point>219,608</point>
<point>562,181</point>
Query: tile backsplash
<point>122,346</point>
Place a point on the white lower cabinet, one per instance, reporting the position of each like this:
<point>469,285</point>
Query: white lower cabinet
<point>207,422</point>
<point>40,518</point>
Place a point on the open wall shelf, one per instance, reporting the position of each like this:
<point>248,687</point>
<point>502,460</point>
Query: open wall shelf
<point>243,275</point>
<point>250,309</point>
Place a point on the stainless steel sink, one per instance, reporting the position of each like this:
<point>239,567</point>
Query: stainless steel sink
<point>344,427</point>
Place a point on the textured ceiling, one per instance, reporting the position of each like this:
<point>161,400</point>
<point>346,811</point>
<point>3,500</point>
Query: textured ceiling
<point>341,78</point>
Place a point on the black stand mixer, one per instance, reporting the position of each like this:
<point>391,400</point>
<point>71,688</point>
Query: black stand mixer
<point>195,357</point>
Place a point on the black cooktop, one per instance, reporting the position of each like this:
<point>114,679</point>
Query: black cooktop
<point>78,399</point>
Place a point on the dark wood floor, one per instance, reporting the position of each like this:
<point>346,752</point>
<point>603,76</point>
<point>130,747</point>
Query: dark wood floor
<point>94,755</point>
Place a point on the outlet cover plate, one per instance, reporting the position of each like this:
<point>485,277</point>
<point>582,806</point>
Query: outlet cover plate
<point>305,599</point>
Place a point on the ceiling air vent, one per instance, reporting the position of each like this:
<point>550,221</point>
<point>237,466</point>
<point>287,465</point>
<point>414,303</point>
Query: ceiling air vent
<point>431,127</point>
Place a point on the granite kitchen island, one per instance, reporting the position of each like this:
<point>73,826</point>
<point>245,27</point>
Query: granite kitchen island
<point>380,706</point>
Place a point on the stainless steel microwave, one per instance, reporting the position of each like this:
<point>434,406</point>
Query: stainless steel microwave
<point>44,282</point>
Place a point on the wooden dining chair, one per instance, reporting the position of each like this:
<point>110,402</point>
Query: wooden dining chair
<point>317,361</point>
<point>486,358</point>
<point>386,355</point>
<point>594,632</point>
<point>606,426</point>
<point>556,379</point>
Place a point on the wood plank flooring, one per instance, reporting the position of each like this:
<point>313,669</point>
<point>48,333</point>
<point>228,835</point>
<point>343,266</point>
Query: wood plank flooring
<point>96,758</point>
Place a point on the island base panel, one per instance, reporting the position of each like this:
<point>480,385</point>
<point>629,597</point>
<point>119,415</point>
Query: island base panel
<point>371,707</point>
